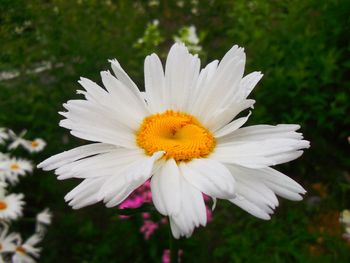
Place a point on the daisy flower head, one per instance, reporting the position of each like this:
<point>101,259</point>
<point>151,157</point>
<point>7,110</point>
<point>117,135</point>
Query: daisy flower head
<point>11,206</point>
<point>12,168</point>
<point>7,241</point>
<point>181,134</point>
<point>32,146</point>
<point>36,145</point>
<point>24,252</point>
<point>17,140</point>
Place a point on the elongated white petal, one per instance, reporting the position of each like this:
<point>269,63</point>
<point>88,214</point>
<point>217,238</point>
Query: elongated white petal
<point>210,177</point>
<point>263,132</point>
<point>154,83</point>
<point>122,183</point>
<point>250,207</point>
<point>193,211</point>
<point>114,106</point>
<point>181,74</point>
<point>231,127</point>
<point>75,154</point>
<point>99,165</point>
<point>85,193</point>
<point>256,189</point>
<point>260,153</point>
<point>122,95</point>
<point>126,80</point>
<point>165,186</point>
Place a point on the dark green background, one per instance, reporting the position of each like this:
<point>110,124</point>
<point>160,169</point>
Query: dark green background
<point>302,47</point>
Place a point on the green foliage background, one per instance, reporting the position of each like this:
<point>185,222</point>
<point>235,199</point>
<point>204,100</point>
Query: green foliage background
<point>303,49</point>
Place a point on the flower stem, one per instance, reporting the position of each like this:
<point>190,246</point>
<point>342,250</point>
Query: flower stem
<point>173,248</point>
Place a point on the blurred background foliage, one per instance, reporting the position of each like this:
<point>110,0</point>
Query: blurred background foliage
<point>303,49</point>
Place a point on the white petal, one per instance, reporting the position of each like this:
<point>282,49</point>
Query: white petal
<point>75,154</point>
<point>216,94</point>
<point>259,154</point>
<point>195,106</point>
<point>210,177</point>
<point>154,83</point>
<point>118,187</point>
<point>248,83</point>
<point>122,95</point>
<point>222,116</point>
<point>115,109</point>
<point>100,165</point>
<point>263,132</point>
<point>181,74</point>
<point>123,77</point>
<point>165,186</point>
<point>250,207</point>
<point>257,185</point>
<point>85,193</point>
<point>231,127</point>
<point>193,211</point>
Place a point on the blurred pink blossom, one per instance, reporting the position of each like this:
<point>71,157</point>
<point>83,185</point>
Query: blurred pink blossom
<point>148,228</point>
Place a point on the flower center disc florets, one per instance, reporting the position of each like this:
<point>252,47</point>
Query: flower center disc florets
<point>3,205</point>
<point>180,135</point>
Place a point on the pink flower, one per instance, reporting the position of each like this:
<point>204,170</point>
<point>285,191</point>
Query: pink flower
<point>148,228</point>
<point>166,256</point>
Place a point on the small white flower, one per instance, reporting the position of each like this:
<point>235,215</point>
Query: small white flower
<point>35,145</point>
<point>25,252</point>
<point>11,206</point>
<point>17,140</point>
<point>181,136</point>
<point>43,219</point>
<point>12,168</point>
<point>7,241</point>
<point>32,146</point>
<point>3,135</point>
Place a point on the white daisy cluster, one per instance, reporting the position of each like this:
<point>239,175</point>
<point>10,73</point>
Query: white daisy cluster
<point>182,134</point>
<point>12,168</point>
<point>12,248</point>
<point>189,37</point>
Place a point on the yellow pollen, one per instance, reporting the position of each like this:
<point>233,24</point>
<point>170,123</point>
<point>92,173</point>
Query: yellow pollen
<point>35,144</point>
<point>21,249</point>
<point>3,205</point>
<point>180,135</point>
<point>14,166</point>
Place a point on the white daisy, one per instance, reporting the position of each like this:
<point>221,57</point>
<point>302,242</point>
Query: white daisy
<point>32,146</point>
<point>7,241</point>
<point>43,219</point>
<point>25,252</point>
<point>12,168</point>
<point>3,135</point>
<point>36,145</point>
<point>17,140</point>
<point>182,135</point>
<point>11,205</point>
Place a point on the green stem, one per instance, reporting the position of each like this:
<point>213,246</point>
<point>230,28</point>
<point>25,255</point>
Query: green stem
<point>173,248</point>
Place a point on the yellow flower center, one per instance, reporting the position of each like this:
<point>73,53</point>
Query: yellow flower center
<point>14,166</point>
<point>21,249</point>
<point>180,135</point>
<point>35,144</point>
<point>3,205</point>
